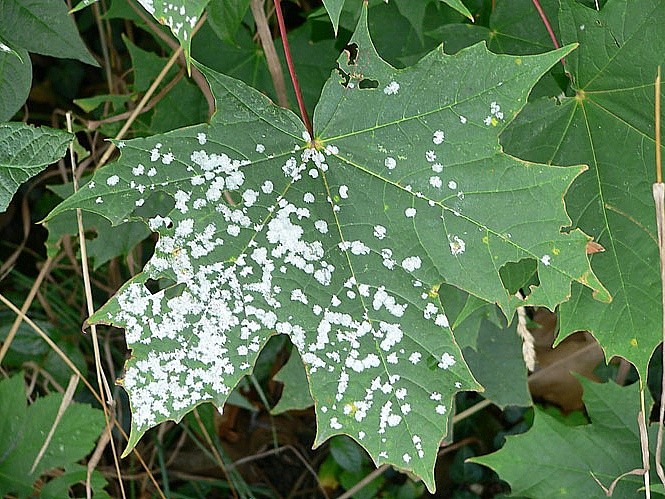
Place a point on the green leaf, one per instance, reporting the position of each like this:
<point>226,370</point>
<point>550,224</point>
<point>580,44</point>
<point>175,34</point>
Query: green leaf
<point>15,80</point>
<point>108,242</point>
<point>180,16</point>
<point>562,460</point>
<point>24,152</point>
<point>82,5</point>
<point>295,394</point>
<point>459,7</point>
<point>23,430</point>
<point>608,125</point>
<point>334,8</point>
<point>225,17</point>
<point>340,242</point>
<point>45,28</point>
<point>497,363</point>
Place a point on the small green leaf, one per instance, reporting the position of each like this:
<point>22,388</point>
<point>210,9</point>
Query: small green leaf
<point>225,17</point>
<point>24,152</point>
<point>498,365</point>
<point>82,5</point>
<point>45,28</point>
<point>563,460</point>
<point>459,7</point>
<point>23,430</point>
<point>295,394</point>
<point>334,8</point>
<point>180,16</point>
<point>15,80</point>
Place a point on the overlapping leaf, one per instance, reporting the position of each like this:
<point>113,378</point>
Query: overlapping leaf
<point>608,125</point>
<point>563,460</point>
<point>180,16</point>
<point>24,152</point>
<point>340,242</point>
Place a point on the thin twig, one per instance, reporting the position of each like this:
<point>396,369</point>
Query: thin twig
<point>24,308</point>
<point>274,66</point>
<point>658,191</point>
<point>196,75</point>
<point>292,70</point>
<point>213,449</point>
<point>365,481</point>
<point>94,124</point>
<point>66,400</point>
<point>75,370</point>
<point>108,397</point>
<point>548,26</point>
<point>144,100</point>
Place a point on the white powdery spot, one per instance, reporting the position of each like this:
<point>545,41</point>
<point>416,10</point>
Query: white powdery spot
<point>457,245</point>
<point>267,187</point>
<point>392,88</point>
<point>4,47</point>
<point>411,263</point>
<point>383,299</point>
<point>113,180</point>
<point>335,424</point>
<point>441,409</point>
<point>308,197</point>
<point>406,458</point>
<point>202,138</point>
<point>435,396</point>
<point>379,231</point>
<point>437,167</point>
<point>299,295</point>
<point>393,335</point>
<point>361,435</point>
<point>410,212</point>
<point>438,137</point>
<point>356,247</point>
<point>249,197</point>
<point>462,120</point>
<point>430,310</point>
<point>546,259</point>
<point>452,185</point>
<point>321,226</point>
<point>435,181</point>
<point>331,149</point>
<point>415,357</point>
<point>430,156</point>
<point>390,163</point>
<point>343,191</point>
<point>138,170</point>
<point>446,361</point>
<point>260,148</point>
<point>441,320</point>
<point>388,261</point>
<point>168,158</point>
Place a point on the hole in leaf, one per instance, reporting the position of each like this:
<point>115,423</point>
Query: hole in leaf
<point>156,285</point>
<point>352,53</point>
<point>521,275</point>
<point>367,83</point>
<point>345,76</point>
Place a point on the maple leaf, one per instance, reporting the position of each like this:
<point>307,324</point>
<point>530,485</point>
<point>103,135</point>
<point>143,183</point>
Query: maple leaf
<point>340,241</point>
<point>613,104</point>
<point>581,460</point>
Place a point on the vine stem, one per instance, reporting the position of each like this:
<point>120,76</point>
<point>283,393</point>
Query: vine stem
<point>292,71</point>
<point>547,24</point>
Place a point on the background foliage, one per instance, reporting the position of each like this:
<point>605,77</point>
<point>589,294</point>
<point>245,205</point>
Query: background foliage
<point>418,140</point>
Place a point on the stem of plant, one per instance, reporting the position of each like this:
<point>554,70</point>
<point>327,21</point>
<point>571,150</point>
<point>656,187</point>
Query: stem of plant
<point>659,199</point>
<point>548,26</point>
<point>292,71</point>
